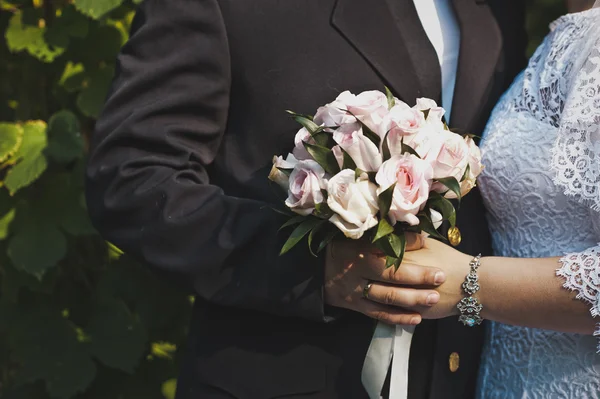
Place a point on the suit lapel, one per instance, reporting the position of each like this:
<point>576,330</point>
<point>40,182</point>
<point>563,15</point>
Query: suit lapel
<point>480,49</point>
<point>389,35</point>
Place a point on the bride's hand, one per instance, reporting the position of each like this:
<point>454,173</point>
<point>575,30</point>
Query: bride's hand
<point>455,265</point>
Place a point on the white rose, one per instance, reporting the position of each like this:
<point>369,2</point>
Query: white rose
<point>451,161</point>
<point>400,124</point>
<point>435,112</point>
<point>301,137</point>
<point>305,184</point>
<point>354,202</point>
<point>336,113</point>
<point>361,149</point>
<point>277,175</point>
<point>370,107</point>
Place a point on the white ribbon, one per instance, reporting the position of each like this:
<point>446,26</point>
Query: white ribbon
<point>390,345</point>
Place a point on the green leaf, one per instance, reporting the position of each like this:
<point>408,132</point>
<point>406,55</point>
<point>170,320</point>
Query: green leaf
<point>30,38</point>
<point>73,77</point>
<point>392,261</point>
<point>47,347</point>
<point>443,206</point>
<point>327,239</point>
<point>65,143</point>
<point>452,184</point>
<point>91,99</point>
<point>408,149</point>
<point>324,157</point>
<point>96,8</point>
<point>385,148</point>
<point>293,221</point>
<point>5,222</point>
<point>116,337</point>
<point>34,249</point>
<point>292,113</point>
<point>466,174</point>
<point>392,245</point>
<point>427,226</point>
<point>390,98</point>
<point>312,234</point>
<point>308,124</point>
<point>385,200</point>
<point>169,387</point>
<point>322,211</point>
<point>348,161</point>
<point>299,233</point>
<point>383,229</point>
<point>11,136</point>
<point>31,161</point>
<point>371,135</point>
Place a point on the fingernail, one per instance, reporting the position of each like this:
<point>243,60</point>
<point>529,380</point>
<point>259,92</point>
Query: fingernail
<point>432,299</point>
<point>415,320</point>
<point>440,277</point>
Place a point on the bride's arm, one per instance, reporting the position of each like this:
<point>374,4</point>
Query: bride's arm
<point>517,291</point>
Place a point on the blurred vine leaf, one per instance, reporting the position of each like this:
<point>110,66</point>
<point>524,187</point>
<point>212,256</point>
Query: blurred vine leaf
<point>96,8</point>
<point>20,37</point>
<point>91,99</point>
<point>64,137</point>
<point>11,136</point>
<point>29,158</point>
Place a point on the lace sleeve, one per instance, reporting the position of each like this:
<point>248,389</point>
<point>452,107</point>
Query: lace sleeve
<point>576,160</point>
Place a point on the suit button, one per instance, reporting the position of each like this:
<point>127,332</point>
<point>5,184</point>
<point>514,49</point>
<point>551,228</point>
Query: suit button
<point>454,362</point>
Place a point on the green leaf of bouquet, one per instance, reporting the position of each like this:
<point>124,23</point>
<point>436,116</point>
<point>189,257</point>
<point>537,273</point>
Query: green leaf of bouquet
<point>327,239</point>
<point>385,200</point>
<point>392,245</point>
<point>383,229</point>
<point>443,206</point>
<point>371,135</point>
<point>308,124</point>
<point>385,148</point>
<point>298,234</point>
<point>116,337</point>
<point>293,221</point>
<point>312,234</point>
<point>323,211</point>
<point>323,139</point>
<point>31,162</point>
<point>65,142</point>
<point>390,98</point>
<point>324,157</point>
<point>348,161</point>
<point>466,174</point>
<point>11,136</point>
<point>426,225</point>
<point>96,8</point>
<point>453,185</point>
<point>408,149</point>
<point>292,113</point>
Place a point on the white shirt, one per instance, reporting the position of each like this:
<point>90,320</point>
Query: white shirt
<point>440,24</point>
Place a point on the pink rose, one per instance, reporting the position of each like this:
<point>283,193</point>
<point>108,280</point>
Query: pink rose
<point>299,151</point>
<point>427,142</point>
<point>475,169</point>
<point>277,175</point>
<point>305,185</point>
<point>336,113</point>
<point>354,202</point>
<point>370,107</point>
<point>399,124</point>
<point>412,177</point>
<point>451,160</point>
<point>361,149</point>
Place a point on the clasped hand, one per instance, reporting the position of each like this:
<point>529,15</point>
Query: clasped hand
<point>427,284</point>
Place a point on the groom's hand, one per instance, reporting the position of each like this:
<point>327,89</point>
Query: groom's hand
<point>352,265</point>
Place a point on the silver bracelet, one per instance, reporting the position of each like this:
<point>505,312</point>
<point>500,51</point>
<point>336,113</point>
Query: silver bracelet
<point>469,307</point>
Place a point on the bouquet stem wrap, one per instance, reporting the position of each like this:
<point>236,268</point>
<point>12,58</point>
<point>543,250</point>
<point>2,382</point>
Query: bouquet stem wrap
<point>390,347</point>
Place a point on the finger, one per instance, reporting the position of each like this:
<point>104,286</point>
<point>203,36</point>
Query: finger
<point>414,241</point>
<point>412,275</point>
<point>407,298</point>
<point>389,314</point>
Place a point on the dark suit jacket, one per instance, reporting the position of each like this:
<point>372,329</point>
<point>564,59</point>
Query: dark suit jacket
<point>178,170</point>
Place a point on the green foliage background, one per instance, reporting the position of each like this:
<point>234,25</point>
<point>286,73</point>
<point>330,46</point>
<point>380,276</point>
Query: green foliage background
<point>77,319</point>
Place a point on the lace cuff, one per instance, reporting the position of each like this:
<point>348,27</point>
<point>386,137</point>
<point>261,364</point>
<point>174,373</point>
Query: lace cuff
<point>581,272</point>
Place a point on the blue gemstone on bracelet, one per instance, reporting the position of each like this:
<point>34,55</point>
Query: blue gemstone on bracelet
<point>470,322</point>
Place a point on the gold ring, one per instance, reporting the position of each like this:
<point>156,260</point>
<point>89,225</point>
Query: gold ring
<point>366,290</point>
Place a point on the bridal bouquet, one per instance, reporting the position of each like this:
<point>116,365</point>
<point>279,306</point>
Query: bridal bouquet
<point>372,167</point>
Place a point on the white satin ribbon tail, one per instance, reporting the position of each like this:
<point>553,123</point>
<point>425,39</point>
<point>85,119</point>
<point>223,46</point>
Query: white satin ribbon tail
<point>390,346</point>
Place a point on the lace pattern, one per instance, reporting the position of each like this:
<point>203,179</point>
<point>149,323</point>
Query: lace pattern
<point>539,185</point>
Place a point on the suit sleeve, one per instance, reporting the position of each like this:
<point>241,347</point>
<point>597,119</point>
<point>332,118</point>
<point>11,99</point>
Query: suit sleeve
<point>147,185</point>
